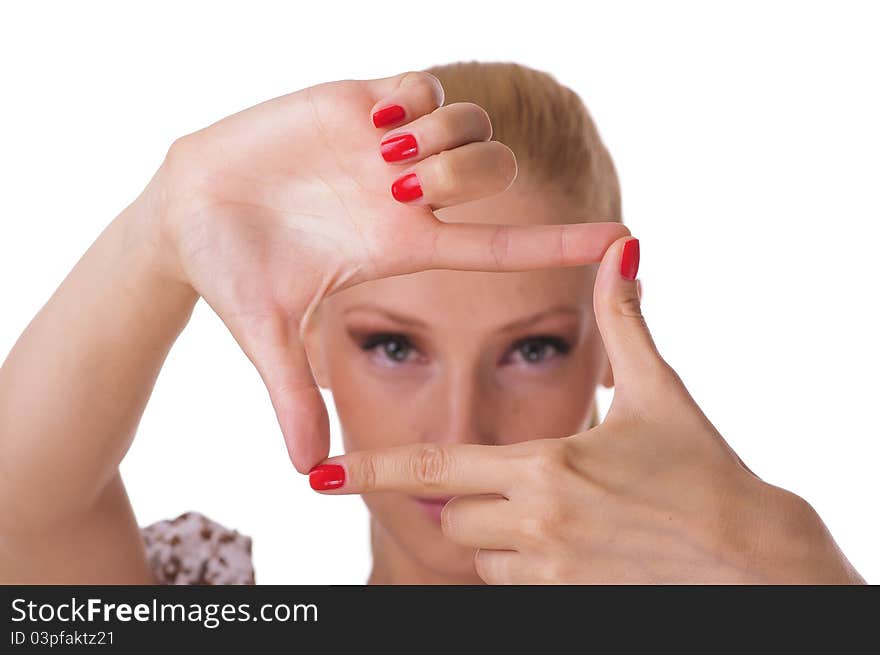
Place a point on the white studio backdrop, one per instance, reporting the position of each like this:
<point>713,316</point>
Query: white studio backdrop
<point>746,139</point>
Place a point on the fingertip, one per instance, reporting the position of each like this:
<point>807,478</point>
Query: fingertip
<point>309,452</point>
<point>414,94</point>
<point>407,188</point>
<point>616,277</point>
<point>326,477</point>
<point>508,163</point>
<point>614,251</point>
<point>306,429</point>
<point>388,115</point>
<point>437,90</point>
<point>629,259</point>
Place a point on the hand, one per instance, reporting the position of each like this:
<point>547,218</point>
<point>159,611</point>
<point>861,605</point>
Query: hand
<point>270,210</point>
<point>652,495</point>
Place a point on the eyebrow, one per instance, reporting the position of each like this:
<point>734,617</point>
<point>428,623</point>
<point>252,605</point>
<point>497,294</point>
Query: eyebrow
<point>515,325</point>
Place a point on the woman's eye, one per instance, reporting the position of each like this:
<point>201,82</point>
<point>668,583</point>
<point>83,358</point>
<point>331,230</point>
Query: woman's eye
<point>393,347</point>
<point>538,349</point>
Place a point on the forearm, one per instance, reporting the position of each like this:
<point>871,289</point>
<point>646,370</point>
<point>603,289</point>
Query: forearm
<point>74,386</point>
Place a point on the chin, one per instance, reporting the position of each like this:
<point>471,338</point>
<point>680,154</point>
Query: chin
<point>415,528</point>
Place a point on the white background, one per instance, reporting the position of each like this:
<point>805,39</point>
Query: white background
<point>747,143</point>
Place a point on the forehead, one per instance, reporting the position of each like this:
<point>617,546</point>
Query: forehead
<point>476,300</point>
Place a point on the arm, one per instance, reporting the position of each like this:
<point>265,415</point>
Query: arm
<point>72,392</point>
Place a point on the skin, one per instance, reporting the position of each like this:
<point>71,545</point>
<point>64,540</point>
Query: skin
<point>475,364</point>
<point>262,215</point>
<point>270,211</point>
<point>652,495</point>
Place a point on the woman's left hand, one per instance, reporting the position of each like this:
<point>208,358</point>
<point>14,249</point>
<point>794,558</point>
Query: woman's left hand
<point>652,495</point>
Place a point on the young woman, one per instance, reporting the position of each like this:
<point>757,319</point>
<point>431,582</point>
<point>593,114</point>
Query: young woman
<point>273,216</point>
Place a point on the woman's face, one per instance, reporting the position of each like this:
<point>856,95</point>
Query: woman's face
<point>460,357</point>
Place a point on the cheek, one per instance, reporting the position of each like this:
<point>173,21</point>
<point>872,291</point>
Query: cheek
<point>545,414</point>
<point>555,406</point>
<point>375,413</point>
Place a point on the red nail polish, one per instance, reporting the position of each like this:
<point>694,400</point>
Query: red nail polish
<point>327,476</point>
<point>406,188</point>
<point>388,115</point>
<point>629,260</point>
<point>402,146</point>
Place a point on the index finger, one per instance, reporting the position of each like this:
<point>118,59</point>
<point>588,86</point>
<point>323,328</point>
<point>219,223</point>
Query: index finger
<point>487,247</point>
<point>429,469</point>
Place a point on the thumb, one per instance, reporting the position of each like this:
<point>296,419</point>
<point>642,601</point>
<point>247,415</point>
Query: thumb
<point>616,302</point>
<point>274,346</point>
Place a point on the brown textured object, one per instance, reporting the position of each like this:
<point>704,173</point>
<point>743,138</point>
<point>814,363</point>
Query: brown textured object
<point>193,549</point>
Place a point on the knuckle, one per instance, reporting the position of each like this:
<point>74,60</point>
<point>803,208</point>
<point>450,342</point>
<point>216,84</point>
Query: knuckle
<point>487,568</point>
<point>427,85</point>
<point>481,566</point>
<point>499,246</point>
<point>504,164</point>
<point>449,126</point>
<point>430,466</point>
<point>543,527</point>
<point>548,461</point>
<point>533,529</point>
<point>629,305</point>
<point>563,247</point>
<point>555,570</point>
<point>366,473</point>
<point>447,519</point>
<point>446,172</point>
<point>481,119</point>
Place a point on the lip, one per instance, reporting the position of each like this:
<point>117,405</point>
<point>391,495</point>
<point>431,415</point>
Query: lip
<point>433,506</point>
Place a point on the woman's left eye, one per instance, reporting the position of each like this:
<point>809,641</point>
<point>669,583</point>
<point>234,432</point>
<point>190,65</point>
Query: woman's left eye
<point>535,350</point>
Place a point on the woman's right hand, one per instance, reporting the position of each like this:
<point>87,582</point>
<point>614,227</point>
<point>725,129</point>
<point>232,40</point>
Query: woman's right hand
<point>267,211</point>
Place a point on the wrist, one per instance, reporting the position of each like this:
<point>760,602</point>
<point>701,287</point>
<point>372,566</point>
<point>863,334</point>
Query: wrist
<point>146,240</point>
<point>150,231</point>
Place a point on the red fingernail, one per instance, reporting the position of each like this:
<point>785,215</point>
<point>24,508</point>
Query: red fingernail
<point>402,146</point>
<point>388,115</point>
<point>327,476</point>
<point>406,188</point>
<point>629,260</point>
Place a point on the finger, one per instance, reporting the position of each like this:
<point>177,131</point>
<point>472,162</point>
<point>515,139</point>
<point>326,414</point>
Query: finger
<point>443,129</point>
<point>497,567</point>
<point>404,97</point>
<point>425,469</point>
<point>480,522</point>
<point>272,343</point>
<point>483,247</point>
<point>451,177</point>
<point>628,343</point>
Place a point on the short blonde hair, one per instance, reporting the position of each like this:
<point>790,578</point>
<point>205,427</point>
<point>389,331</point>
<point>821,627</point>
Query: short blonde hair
<point>546,125</point>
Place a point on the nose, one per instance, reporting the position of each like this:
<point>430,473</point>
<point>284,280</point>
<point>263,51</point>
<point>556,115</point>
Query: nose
<point>465,409</point>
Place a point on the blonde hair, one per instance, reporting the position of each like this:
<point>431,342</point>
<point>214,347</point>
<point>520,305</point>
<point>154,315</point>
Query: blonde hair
<point>549,129</point>
<point>546,125</point>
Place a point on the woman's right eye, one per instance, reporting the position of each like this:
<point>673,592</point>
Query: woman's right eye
<point>393,348</point>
